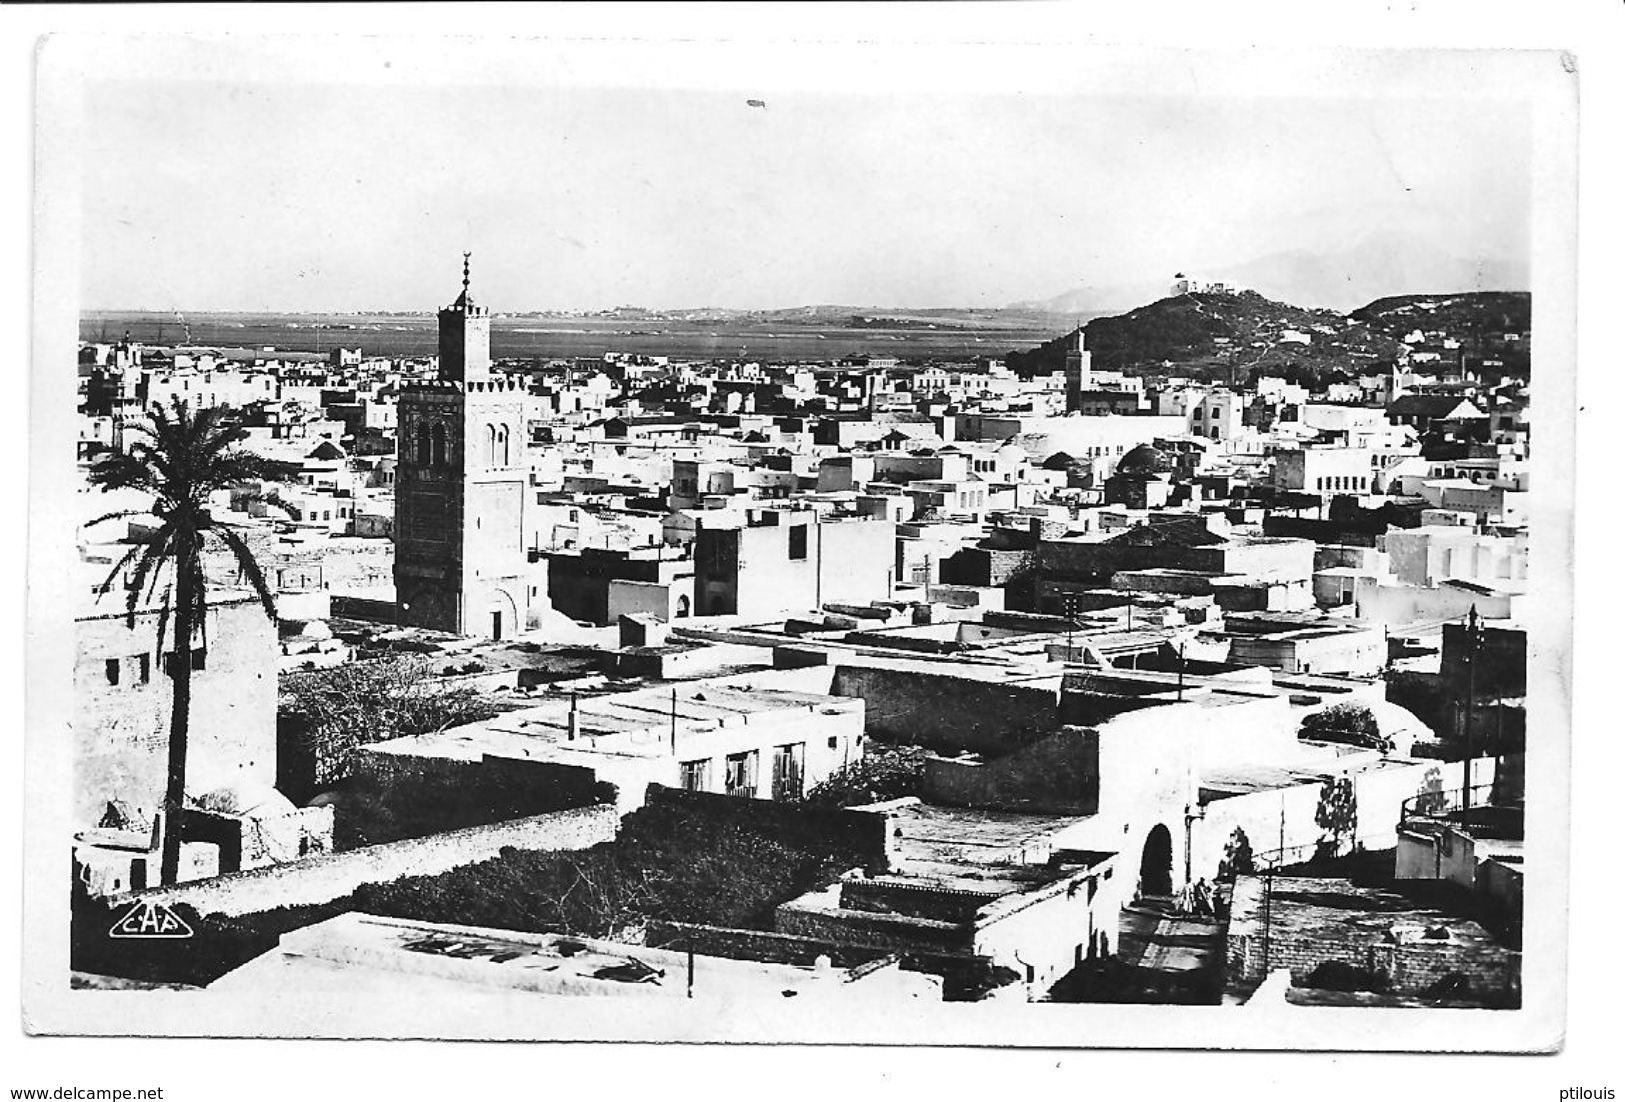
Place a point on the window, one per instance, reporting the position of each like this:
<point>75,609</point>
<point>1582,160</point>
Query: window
<point>740,776</point>
<point>439,449</point>
<point>423,446</point>
<point>143,668</point>
<point>693,775</point>
<point>787,770</point>
<point>114,666</point>
<point>198,660</point>
<point>502,444</point>
<point>798,542</point>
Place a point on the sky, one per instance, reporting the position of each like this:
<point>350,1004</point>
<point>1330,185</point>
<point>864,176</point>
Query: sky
<point>215,194</point>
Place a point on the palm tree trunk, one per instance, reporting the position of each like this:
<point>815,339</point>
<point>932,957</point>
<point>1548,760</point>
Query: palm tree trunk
<point>180,672</point>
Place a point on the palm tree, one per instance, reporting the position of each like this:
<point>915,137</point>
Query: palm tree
<point>184,458</point>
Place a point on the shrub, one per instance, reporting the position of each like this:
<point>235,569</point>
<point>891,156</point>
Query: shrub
<point>1336,975</point>
<point>1346,723</point>
<point>331,712</point>
<point>883,773</point>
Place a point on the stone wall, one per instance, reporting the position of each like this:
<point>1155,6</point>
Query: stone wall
<point>370,609</point>
<point>396,796</point>
<point>862,833</point>
<point>322,879</point>
<point>881,931</point>
<point>948,713</point>
<point>1059,774</point>
<point>1410,968</point>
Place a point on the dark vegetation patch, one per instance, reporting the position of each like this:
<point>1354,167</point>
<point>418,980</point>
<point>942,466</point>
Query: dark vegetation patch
<point>669,862</point>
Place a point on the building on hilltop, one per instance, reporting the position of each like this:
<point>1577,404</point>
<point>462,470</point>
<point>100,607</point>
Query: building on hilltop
<point>460,560</point>
<point>1189,285</point>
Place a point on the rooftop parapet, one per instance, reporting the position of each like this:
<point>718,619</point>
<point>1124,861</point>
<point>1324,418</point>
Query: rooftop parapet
<point>505,384</point>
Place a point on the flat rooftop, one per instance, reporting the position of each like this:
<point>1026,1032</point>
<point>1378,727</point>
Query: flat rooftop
<point>1313,763</point>
<point>986,849</point>
<point>1347,914</point>
<point>369,954</point>
<point>633,724</point>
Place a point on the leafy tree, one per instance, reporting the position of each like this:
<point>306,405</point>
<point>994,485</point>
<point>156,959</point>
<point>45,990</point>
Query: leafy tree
<point>1431,798</point>
<point>1336,815</point>
<point>883,773</point>
<point>1238,856</point>
<point>181,458</point>
<point>1349,723</point>
<point>339,709</point>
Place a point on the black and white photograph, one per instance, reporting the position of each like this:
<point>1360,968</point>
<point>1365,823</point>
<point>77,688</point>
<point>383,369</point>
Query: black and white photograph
<point>1060,544</point>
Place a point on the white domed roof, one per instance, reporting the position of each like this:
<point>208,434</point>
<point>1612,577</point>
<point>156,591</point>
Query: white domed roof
<point>316,629</point>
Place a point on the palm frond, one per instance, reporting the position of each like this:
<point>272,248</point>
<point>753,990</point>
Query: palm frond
<point>236,465</point>
<point>272,499</point>
<point>115,515</point>
<point>123,470</point>
<point>117,571</point>
<point>148,565</point>
<point>248,565</point>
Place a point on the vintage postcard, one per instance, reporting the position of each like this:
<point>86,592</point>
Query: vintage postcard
<point>561,539</point>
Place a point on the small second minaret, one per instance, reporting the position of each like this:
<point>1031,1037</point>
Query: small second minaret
<point>465,338</point>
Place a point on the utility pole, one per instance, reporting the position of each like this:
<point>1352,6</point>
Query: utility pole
<point>1269,884</point>
<point>1181,693</point>
<point>1473,635</point>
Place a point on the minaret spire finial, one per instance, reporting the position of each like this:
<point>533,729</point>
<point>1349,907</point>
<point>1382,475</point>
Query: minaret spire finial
<point>466,255</point>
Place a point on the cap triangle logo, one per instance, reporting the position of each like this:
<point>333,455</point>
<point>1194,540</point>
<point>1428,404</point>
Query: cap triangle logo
<point>150,920</point>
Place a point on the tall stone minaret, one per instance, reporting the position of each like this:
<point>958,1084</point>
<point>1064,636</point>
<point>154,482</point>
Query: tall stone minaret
<point>1078,377</point>
<point>461,473</point>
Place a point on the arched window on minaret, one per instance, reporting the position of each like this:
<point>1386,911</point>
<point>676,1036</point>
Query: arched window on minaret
<point>423,445</point>
<point>439,445</point>
<point>502,443</point>
<point>490,445</point>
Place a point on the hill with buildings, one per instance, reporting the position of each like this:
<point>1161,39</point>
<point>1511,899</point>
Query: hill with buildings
<point>1219,334</point>
<point>1475,311</point>
<point>1489,327</point>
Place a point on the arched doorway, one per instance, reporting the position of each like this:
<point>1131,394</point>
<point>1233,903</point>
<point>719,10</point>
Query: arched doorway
<point>501,616</point>
<point>1157,863</point>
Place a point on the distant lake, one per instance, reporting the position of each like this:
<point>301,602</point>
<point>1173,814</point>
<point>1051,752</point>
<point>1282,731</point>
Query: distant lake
<point>554,337</point>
